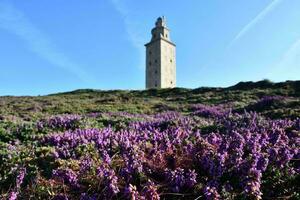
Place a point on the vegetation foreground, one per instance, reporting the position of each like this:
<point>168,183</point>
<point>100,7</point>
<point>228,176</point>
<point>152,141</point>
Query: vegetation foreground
<point>240,142</point>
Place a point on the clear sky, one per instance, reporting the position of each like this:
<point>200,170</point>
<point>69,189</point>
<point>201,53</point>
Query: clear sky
<point>52,46</point>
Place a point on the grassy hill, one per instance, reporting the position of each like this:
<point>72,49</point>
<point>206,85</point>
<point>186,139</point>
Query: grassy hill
<point>240,96</point>
<point>240,142</point>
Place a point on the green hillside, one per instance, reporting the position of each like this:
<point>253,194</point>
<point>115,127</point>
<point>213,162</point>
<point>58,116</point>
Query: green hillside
<point>240,96</point>
<point>240,142</point>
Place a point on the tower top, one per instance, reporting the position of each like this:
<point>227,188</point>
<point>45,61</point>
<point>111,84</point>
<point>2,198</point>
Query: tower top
<point>160,31</point>
<point>161,22</point>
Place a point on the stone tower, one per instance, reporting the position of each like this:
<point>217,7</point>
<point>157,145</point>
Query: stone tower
<point>160,58</point>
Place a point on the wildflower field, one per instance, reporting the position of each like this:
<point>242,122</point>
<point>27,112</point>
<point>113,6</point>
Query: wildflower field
<point>208,143</point>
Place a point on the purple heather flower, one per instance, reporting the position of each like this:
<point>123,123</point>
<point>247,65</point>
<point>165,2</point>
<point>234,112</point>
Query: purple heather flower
<point>284,156</point>
<point>208,111</point>
<point>106,157</point>
<point>132,192</point>
<point>180,178</point>
<point>262,163</point>
<point>67,175</point>
<point>85,196</point>
<point>150,191</point>
<point>85,164</point>
<point>20,177</point>
<point>110,180</point>
<point>252,183</point>
<point>13,195</point>
<point>211,193</point>
<point>59,122</point>
<point>191,176</point>
<point>273,152</point>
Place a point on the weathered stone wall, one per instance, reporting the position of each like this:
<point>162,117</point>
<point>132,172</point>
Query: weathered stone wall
<point>153,69</point>
<point>168,65</point>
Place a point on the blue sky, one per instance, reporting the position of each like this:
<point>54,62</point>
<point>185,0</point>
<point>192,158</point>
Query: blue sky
<point>53,46</point>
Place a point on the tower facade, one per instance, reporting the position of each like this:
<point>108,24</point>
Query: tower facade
<point>160,58</point>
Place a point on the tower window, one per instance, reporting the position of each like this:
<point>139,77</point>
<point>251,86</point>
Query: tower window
<point>166,35</point>
<point>155,61</point>
<point>150,52</point>
<point>154,35</point>
<point>155,71</point>
<point>171,60</point>
<point>150,63</point>
<point>171,82</point>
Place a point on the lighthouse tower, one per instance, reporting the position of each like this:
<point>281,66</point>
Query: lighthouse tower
<point>160,58</point>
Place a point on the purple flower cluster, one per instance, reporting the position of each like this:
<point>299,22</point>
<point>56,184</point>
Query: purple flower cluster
<point>132,193</point>
<point>110,180</point>
<point>85,196</point>
<point>67,142</point>
<point>68,176</point>
<point>13,195</point>
<point>19,180</point>
<point>208,111</point>
<point>64,122</point>
<point>269,100</point>
<point>85,165</point>
<point>211,192</point>
<point>180,178</point>
<point>151,192</point>
<point>166,153</point>
<point>266,102</point>
<point>148,193</point>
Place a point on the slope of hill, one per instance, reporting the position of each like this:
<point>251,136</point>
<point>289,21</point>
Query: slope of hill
<point>240,97</point>
<point>240,142</point>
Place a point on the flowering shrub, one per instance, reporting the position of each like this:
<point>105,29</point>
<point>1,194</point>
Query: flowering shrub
<point>61,122</point>
<point>159,156</point>
<point>19,180</point>
<point>208,111</point>
<point>267,102</point>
